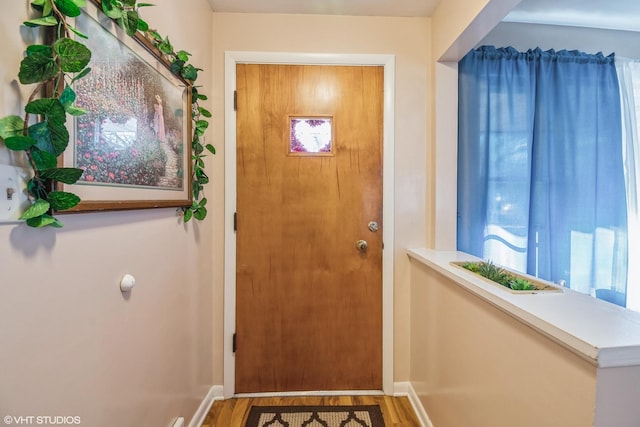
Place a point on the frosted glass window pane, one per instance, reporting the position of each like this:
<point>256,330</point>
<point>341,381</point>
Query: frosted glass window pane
<point>310,135</point>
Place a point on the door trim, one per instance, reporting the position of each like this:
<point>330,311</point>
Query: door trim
<point>388,62</point>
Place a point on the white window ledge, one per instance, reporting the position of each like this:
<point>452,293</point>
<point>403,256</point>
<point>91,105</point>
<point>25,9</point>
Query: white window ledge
<point>603,333</point>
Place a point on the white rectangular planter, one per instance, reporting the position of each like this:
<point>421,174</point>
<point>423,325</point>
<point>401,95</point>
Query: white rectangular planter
<point>540,285</point>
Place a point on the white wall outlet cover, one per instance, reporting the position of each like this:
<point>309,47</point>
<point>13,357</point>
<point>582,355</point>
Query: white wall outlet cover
<point>14,198</point>
<point>127,283</point>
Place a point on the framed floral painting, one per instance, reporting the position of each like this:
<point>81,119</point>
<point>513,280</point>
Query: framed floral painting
<point>133,143</point>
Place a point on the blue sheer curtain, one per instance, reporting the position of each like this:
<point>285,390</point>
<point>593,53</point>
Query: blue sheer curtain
<point>540,174</point>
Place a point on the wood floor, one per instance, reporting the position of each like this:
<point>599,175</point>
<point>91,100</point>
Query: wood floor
<point>397,411</point>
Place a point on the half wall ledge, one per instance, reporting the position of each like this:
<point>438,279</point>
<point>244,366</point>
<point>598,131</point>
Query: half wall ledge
<point>604,334</point>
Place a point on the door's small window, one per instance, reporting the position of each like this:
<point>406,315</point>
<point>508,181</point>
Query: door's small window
<point>311,135</point>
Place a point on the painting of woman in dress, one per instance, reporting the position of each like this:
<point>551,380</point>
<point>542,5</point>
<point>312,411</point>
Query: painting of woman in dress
<point>132,134</point>
<point>158,119</point>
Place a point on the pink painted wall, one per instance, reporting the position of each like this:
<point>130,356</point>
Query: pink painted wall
<point>474,365</point>
<point>407,39</point>
<point>70,344</point>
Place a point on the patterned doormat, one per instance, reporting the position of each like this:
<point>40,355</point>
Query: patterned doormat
<point>315,416</point>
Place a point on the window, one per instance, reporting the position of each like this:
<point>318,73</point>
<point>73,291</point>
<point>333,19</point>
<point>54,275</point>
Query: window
<point>310,135</point>
<point>541,187</point>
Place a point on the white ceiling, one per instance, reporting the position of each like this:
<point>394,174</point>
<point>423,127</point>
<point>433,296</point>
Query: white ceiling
<point>608,14</point>
<point>329,7</point>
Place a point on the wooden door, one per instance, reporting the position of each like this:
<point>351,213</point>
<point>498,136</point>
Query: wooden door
<point>309,301</point>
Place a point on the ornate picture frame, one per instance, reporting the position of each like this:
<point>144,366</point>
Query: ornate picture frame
<point>134,142</point>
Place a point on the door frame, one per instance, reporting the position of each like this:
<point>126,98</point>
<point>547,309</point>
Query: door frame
<point>388,62</point>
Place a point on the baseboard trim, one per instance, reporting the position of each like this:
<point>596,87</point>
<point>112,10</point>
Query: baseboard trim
<point>215,393</point>
<point>406,389</point>
<point>401,389</point>
<point>313,393</point>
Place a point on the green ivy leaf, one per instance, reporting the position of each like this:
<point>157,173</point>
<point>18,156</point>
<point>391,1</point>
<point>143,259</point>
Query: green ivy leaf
<point>40,207</point>
<point>42,49</point>
<point>68,7</point>
<point>155,35</point>
<point>190,72</point>
<point>202,124</point>
<point>52,108</point>
<point>40,132</point>
<point>80,3</point>
<point>177,66</point>
<point>50,136</point>
<point>43,221</point>
<point>211,148</point>
<point>47,8</point>
<point>59,137</point>
<point>130,3</point>
<point>67,98</point>
<point>111,10</point>
<point>203,111</point>
<point>200,213</point>
<point>55,138</point>
<point>64,175</point>
<point>77,32</point>
<point>19,143</point>
<point>42,6</point>
<point>75,111</point>
<point>62,200</point>
<point>201,127</point>
<point>165,46</point>
<point>129,22</point>
<point>74,56</point>
<point>203,180</point>
<point>81,74</point>
<point>142,25</point>
<point>38,65</point>
<point>11,126</point>
<point>145,4</point>
<point>196,187</point>
<point>203,202</point>
<point>36,187</point>
<point>43,159</point>
<point>47,21</point>
<point>183,55</point>
<point>187,215</point>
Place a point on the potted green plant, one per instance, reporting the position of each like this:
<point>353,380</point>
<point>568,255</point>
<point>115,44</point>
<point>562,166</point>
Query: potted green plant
<point>507,279</point>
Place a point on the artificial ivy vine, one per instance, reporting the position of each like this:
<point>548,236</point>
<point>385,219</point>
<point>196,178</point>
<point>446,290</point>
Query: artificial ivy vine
<point>59,64</point>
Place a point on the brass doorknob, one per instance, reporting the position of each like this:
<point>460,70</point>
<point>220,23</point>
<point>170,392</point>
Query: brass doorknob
<point>362,245</point>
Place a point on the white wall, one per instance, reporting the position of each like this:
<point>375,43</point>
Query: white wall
<point>457,25</point>
<point>617,395</point>
<point>71,344</point>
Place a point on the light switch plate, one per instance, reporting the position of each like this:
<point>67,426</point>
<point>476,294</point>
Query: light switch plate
<point>13,192</point>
